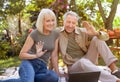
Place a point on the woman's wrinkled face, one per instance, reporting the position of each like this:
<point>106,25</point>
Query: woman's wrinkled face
<point>48,23</point>
<point>70,23</point>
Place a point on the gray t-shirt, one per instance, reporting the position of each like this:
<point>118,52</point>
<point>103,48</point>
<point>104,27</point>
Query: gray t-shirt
<point>49,42</point>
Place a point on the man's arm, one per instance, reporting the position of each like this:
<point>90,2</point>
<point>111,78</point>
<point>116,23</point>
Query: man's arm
<point>91,31</point>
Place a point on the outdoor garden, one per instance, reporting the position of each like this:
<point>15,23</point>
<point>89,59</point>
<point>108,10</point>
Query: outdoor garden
<point>17,19</point>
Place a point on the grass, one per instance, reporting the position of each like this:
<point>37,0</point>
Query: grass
<point>15,61</point>
<point>9,62</point>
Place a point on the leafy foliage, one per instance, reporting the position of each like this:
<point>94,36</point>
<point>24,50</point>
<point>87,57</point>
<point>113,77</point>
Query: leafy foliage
<point>116,22</point>
<point>13,61</point>
<point>4,49</point>
<point>15,14</point>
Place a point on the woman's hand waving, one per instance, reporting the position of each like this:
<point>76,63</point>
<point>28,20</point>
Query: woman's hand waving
<point>39,49</point>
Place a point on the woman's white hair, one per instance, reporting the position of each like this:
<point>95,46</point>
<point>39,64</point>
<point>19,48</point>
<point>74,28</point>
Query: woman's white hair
<point>41,16</point>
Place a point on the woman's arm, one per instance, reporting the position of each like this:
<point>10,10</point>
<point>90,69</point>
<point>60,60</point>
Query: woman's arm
<point>54,57</point>
<point>54,60</point>
<point>26,47</point>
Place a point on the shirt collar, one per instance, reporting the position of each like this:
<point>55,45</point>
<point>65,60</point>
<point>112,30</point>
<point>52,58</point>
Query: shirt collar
<point>76,30</point>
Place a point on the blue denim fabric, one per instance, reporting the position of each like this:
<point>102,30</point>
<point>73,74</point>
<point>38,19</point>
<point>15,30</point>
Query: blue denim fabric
<point>26,73</point>
<point>49,76</point>
<point>34,71</point>
<point>42,74</point>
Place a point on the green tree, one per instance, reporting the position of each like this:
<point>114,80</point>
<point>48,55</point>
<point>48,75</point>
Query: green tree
<point>100,12</point>
<point>12,7</point>
<point>108,19</point>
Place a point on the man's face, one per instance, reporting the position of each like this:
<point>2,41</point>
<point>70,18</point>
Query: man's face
<point>70,23</point>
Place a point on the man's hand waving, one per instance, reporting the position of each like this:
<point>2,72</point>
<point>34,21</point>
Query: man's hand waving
<point>90,29</point>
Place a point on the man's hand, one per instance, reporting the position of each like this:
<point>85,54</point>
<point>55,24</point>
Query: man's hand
<point>39,47</point>
<point>90,29</point>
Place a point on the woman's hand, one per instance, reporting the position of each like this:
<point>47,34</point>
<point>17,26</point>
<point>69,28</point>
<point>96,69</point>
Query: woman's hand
<point>39,49</point>
<point>62,75</point>
<point>90,29</point>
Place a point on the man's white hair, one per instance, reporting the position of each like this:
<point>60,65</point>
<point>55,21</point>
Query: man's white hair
<point>71,13</point>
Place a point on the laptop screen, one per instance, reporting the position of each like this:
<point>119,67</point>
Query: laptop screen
<point>84,77</point>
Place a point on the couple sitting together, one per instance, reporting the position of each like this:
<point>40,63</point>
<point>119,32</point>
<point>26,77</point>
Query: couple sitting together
<point>79,47</point>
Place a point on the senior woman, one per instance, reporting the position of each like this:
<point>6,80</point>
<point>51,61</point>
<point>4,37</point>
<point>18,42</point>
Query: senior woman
<point>40,45</point>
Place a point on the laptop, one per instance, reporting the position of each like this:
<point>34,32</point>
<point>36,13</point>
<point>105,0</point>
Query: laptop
<point>84,77</point>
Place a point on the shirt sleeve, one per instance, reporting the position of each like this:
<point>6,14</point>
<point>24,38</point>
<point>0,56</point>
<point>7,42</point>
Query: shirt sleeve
<point>103,35</point>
